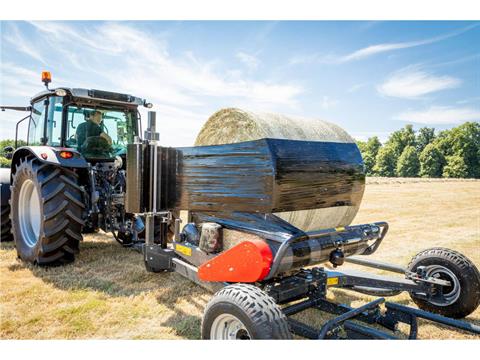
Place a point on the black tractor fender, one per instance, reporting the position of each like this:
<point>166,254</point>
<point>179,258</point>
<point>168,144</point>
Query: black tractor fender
<point>50,155</point>
<point>45,154</point>
<point>4,186</point>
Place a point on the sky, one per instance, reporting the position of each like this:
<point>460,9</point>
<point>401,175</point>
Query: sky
<point>371,78</point>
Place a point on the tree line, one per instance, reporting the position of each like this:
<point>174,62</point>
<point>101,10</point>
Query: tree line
<point>453,153</point>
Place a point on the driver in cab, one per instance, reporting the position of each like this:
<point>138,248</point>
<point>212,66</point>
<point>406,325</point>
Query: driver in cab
<point>90,134</point>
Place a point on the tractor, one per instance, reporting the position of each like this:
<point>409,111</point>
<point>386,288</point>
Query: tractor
<point>86,167</point>
<point>70,177</point>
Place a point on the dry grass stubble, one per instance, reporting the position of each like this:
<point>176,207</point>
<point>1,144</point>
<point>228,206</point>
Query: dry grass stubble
<point>107,293</point>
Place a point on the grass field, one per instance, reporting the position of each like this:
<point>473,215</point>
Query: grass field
<point>107,293</point>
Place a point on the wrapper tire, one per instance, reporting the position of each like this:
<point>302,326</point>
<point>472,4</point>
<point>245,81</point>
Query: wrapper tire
<point>261,316</point>
<point>464,270</point>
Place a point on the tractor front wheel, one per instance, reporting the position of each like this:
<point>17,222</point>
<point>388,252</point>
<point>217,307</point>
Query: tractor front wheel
<point>462,296</point>
<point>46,212</point>
<point>243,312</point>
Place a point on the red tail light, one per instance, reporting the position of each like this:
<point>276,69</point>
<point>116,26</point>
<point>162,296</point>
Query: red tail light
<point>66,154</point>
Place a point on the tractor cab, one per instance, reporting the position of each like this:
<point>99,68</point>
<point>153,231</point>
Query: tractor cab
<point>98,124</point>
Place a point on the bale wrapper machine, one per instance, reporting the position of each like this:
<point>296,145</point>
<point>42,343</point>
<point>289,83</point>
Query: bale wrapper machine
<point>213,215</point>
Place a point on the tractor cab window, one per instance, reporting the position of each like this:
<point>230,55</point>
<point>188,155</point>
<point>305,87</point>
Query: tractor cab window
<point>100,133</point>
<point>37,122</point>
<point>52,134</point>
<point>54,121</point>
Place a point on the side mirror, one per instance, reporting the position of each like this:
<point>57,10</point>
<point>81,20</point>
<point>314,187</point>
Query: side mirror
<point>8,151</point>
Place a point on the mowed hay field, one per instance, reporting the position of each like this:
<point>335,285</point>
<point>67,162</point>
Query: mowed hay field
<point>107,293</point>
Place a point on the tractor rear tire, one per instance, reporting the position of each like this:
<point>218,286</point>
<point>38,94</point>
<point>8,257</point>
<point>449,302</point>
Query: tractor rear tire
<point>6,224</point>
<point>243,312</point>
<point>47,210</point>
<point>463,296</point>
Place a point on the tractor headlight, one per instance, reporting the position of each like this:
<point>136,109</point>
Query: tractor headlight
<point>118,163</point>
<point>61,92</point>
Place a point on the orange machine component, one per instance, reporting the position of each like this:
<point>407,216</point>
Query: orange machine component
<point>248,261</point>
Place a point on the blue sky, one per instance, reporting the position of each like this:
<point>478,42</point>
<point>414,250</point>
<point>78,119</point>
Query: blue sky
<point>369,77</point>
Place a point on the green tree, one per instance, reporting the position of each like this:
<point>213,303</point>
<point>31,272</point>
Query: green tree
<point>362,145</point>
<point>431,161</point>
<point>463,141</point>
<point>4,162</point>
<point>408,164</point>
<point>402,138</point>
<point>385,162</point>
<point>399,140</point>
<point>9,142</point>
<point>455,167</point>
<point>369,150</point>
<point>424,137</point>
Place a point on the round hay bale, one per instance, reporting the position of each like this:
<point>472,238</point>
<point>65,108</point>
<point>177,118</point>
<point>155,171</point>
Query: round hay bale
<point>234,125</point>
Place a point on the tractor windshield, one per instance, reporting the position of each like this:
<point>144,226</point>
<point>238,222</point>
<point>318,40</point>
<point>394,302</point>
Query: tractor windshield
<point>100,133</point>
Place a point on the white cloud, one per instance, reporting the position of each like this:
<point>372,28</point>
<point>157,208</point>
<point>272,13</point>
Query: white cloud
<point>381,48</point>
<point>440,115</point>
<point>328,102</point>
<point>371,50</point>
<point>474,99</point>
<point>251,61</point>
<point>18,81</point>
<point>365,135</point>
<point>119,57</point>
<point>148,67</point>
<point>412,82</point>
<point>23,45</point>
<point>319,58</point>
<point>356,87</point>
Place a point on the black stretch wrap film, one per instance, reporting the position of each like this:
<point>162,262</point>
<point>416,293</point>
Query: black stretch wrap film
<point>232,177</point>
<point>314,175</point>
<point>241,185</point>
<point>269,175</point>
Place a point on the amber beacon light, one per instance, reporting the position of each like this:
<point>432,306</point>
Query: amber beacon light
<point>46,77</point>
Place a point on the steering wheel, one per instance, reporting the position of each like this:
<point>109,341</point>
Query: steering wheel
<point>72,140</point>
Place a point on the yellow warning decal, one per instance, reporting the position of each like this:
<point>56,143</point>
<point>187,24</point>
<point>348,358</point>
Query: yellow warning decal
<point>339,229</point>
<point>332,281</point>
<point>185,250</point>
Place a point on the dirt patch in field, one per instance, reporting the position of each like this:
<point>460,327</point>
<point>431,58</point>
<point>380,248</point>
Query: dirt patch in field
<point>107,293</point>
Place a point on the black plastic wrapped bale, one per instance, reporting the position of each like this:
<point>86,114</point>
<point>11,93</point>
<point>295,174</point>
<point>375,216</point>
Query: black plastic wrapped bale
<point>269,176</point>
<point>233,125</point>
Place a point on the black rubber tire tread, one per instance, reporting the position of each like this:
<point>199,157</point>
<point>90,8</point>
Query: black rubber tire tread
<point>262,317</point>
<point>62,210</point>
<point>466,272</point>
<point>6,225</point>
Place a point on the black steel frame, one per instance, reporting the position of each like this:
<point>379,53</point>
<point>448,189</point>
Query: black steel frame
<point>343,327</point>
